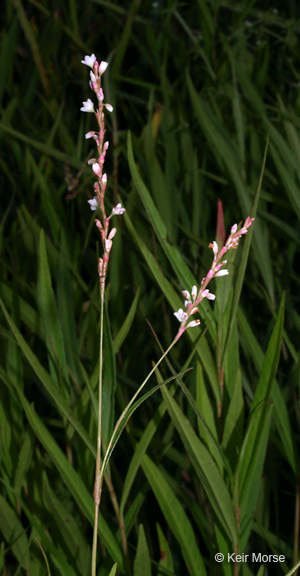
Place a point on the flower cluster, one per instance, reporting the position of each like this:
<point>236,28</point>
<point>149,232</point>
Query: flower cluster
<point>193,299</point>
<point>97,164</point>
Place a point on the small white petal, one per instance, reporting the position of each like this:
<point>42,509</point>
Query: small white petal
<point>108,107</point>
<point>89,60</point>
<point>222,273</point>
<point>88,106</point>
<point>181,315</point>
<point>93,203</point>
<point>210,296</point>
<point>194,292</point>
<point>103,67</point>
<point>215,247</point>
<point>90,135</point>
<point>233,229</point>
<point>193,324</point>
<point>112,233</point>
<point>96,169</point>
<point>187,303</point>
<point>118,209</point>
<point>186,294</point>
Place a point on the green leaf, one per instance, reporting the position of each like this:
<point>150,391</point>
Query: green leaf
<point>113,570</point>
<point>67,526</point>
<point>253,451</point>
<point>47,382</point>
<point>72,480</point>
<point>282,419</point>
<point>52,327</point>
<point>142,561</point>
<point>205,467</point>
<point>176,518</point>
<point>119,339</point>
<point>166,560</point>
<point>14,533</point>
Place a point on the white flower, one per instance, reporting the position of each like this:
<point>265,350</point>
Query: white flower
<point>108,107</point>
<point>94,204</point>
<point>90,134</point>
<point>88,106</point>
<point>118,209</point>
<point>181,315</point>
<point>102,67</point>
<point>233,229</point>
<point>89,60</point>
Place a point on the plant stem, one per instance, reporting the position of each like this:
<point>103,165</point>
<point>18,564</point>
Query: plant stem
<point>116,433</point>
<point>98,482</point>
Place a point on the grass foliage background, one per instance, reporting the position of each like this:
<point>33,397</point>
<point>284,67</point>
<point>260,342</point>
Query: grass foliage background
<point>200,86</point>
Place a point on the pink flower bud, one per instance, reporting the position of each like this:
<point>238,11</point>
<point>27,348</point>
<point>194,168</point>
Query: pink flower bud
<point>96,169</point>
<point>222,273</point>
<point>112,233</point>
<point>193,324</point>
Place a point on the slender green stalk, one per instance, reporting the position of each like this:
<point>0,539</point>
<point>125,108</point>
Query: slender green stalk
<point>117,431</point>
<point>98,482</point>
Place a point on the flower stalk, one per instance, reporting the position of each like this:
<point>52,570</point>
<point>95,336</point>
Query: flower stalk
<point>107,235</point>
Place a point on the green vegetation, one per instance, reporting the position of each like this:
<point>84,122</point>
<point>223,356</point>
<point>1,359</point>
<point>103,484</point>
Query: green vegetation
<point>206,115</point>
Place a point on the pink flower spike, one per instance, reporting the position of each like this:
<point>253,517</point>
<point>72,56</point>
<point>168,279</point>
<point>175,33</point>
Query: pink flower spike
<point>118,209</point>
<point>181,315</point>
<point>193,324</point>
<point>96,169</point>
<point>102,67</point>
<point>88,106</point>
<point>222,273</point>
<point>89,60</point>
<point>94,204</point>
<point>233,229</point>
<point>108,107</point>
